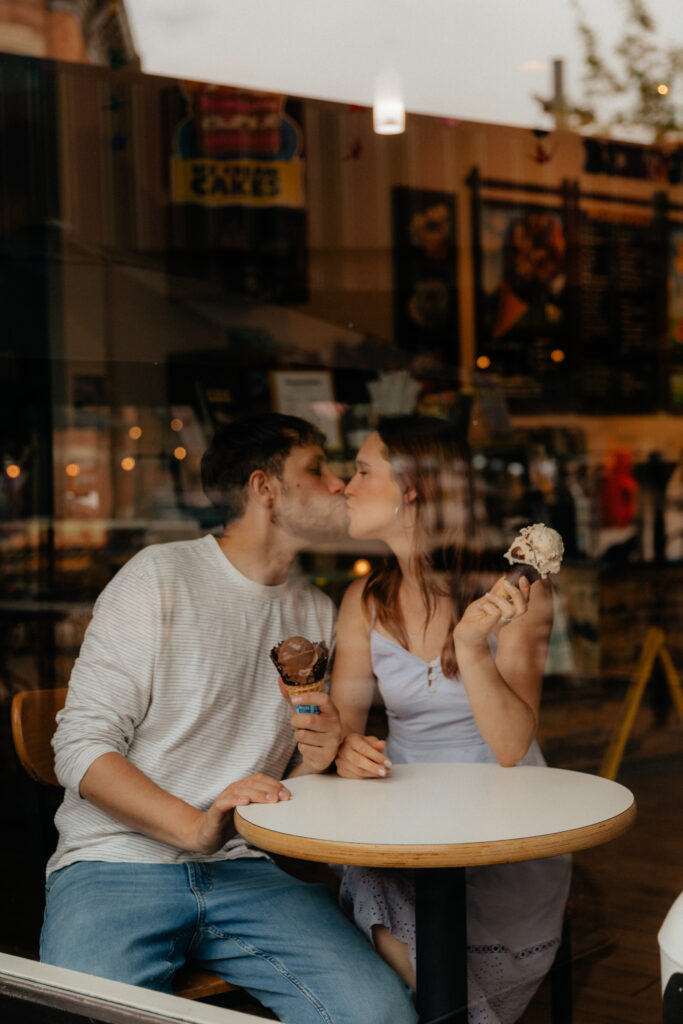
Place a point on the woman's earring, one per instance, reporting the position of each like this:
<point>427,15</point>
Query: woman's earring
<point>397,510</point>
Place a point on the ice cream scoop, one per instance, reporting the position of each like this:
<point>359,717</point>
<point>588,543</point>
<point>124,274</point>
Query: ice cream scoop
<point>536,552</point>
<point>301,665</point>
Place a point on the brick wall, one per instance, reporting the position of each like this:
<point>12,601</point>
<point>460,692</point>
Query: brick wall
<point>23,26</point>
<point>32,28</point>
<point>30,13</point>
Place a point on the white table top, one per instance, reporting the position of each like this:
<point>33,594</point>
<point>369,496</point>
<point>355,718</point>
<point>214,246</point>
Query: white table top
<point>440,814</point>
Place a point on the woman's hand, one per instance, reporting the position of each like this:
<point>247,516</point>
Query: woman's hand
<point>362,757</point>
<point>501,605</point>
<point>216,826</point>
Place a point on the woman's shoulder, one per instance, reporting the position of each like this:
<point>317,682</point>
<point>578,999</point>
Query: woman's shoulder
<point>353,595</point>
<point>353,607</point>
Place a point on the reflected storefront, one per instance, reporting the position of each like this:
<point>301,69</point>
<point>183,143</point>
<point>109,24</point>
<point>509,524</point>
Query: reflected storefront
<point>176,254</point>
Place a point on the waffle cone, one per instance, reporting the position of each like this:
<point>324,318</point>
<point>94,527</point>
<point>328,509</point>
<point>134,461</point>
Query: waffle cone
<point>513,574</point>
<point>294,691</point>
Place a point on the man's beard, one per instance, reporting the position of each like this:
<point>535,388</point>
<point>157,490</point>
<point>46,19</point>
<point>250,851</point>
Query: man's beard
<point>310,523</point>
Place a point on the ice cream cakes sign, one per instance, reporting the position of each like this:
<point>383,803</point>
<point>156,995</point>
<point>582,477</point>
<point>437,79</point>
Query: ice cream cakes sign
<point>237,148</point>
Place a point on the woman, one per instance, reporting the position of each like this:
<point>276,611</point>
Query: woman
<point>461,681</point>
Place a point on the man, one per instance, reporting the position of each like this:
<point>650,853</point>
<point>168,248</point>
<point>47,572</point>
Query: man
<point>174,718</point>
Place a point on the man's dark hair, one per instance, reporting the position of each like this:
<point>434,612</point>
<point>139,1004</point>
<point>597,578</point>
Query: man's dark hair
<point>254,442</point>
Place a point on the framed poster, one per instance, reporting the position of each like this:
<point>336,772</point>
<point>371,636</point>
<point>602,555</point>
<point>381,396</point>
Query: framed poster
<point>425,289</point>
<point>521,256</point>
<point>310,395</point>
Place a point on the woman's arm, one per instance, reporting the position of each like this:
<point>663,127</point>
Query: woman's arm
<point>352,689</point>
<point>505,694</point>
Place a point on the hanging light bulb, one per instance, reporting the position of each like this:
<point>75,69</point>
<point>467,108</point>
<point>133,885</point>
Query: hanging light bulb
<point>388,111</point>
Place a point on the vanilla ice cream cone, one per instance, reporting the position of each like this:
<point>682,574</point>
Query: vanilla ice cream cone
<point>536,552</point>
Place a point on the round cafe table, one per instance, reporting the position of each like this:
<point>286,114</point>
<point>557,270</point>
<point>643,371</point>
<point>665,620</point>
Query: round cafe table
<point>440,819</point>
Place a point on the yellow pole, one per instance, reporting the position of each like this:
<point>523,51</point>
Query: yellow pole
<point>672,679</point>
<point>654,641</point>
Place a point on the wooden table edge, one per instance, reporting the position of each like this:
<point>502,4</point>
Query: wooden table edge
<point>502,851</point>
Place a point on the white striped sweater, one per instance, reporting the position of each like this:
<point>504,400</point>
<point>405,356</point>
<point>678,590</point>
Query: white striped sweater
<point>174,673</point>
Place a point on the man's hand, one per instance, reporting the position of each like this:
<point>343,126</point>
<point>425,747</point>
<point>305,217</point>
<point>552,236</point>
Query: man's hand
<point>362,757</point>
<point>318,736</point>
<point>216,826</point>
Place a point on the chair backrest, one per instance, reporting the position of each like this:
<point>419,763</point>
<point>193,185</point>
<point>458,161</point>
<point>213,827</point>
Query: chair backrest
<point>33,724</point>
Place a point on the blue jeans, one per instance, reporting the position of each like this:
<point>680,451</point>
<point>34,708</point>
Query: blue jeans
<point>284,941</point>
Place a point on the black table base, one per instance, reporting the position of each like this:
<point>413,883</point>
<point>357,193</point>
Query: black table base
<point>441,934</point>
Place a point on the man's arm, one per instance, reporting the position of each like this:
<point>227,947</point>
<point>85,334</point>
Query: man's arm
<point>111,682</point>
<point>118,788</point>
<point>317,736</point>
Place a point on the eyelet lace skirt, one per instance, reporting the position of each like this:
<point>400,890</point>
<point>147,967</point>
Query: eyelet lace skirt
<point>514,923</point>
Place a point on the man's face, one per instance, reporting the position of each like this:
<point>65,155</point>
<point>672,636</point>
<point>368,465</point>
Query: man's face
<point>310,502</point>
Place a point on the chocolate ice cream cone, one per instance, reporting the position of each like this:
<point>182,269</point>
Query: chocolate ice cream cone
<point>301,666</point>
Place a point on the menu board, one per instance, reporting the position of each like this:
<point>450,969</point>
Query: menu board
<point>618,315</point>
<point>675,317</point>
<point>521,315</point>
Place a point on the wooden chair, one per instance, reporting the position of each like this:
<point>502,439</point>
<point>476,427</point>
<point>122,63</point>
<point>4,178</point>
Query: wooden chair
<point>33,723</point>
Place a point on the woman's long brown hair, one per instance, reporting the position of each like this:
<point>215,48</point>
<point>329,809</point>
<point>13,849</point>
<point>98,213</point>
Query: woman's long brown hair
<point>428,454</point>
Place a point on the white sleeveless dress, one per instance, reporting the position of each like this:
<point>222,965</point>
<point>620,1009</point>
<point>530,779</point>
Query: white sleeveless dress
<point>514,911</point>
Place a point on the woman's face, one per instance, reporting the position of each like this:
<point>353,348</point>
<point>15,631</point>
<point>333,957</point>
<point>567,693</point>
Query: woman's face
<point>372,493</point>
